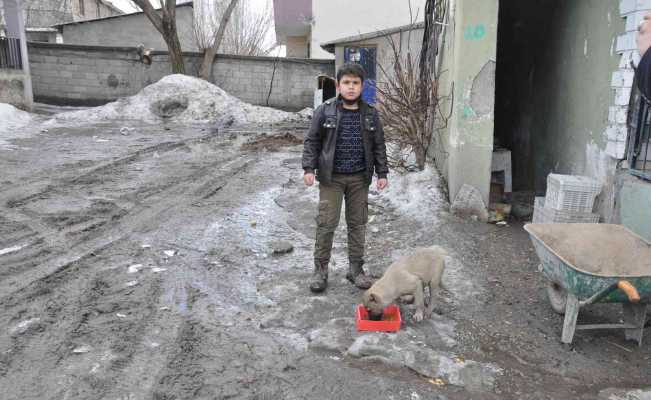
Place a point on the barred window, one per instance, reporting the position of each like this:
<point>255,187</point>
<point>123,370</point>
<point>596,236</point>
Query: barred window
<point>639,154</point>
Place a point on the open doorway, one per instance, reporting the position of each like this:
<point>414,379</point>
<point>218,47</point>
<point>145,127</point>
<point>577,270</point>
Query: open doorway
<point>524,41</point>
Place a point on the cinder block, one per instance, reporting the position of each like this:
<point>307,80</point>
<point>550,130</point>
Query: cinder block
<point>617,133</point>
<point>616,149</point>
<point>617,114</point>
<point>626,42</point>
<point>623,78</point>
<point>622,96</point>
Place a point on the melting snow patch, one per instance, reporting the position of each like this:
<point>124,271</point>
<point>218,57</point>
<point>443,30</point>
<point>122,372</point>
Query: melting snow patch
<point>179,98</point>
<point>11,249</point>
<point>11,120</point>
<point>415,193</point>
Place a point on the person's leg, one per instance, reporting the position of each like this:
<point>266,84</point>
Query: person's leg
<point>356,194</point>
<point>327,220</point>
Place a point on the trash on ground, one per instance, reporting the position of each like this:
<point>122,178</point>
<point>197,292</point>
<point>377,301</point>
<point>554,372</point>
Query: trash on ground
<point>170,253</point>
<point>437,382</point>
<point>82,349</point>
<point>134,268</point>
<point>157,269</point>
<point>131,283</point>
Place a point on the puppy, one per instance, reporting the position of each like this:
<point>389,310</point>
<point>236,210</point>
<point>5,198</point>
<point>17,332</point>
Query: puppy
<point>408,276</point>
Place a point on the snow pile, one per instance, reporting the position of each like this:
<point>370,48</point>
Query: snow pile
<point>13,125</point>
<point>180,98</point>
<point>415,193</point>
<point>12,118</point>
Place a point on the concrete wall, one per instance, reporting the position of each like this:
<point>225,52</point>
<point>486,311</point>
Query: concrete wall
<point>465,154</point>
<point>336,19</point>
<point>87,75</point>
<point>89,9</point>
<point>129,31</point>
<point>633,205</point>
<point>297,47</point>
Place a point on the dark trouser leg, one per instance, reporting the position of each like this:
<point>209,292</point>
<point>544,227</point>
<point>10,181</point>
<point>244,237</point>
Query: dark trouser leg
<point>327,220</point>
<point>356,195</point>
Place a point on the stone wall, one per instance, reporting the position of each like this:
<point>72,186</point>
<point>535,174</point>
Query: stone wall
<point>91,75</point>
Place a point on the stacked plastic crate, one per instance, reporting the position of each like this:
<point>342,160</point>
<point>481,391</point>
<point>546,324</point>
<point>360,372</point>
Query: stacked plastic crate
<point>569,199</point>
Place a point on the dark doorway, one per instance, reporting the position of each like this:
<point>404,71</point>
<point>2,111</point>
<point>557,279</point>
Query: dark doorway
<point>525,35</point>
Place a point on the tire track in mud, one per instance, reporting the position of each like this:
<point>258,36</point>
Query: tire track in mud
<point>69,320</point>
<point>138,218</point>
<point>108,316</point>
<point>14,197</point>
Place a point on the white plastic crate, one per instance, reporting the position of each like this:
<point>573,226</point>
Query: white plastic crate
<point>544,215</point>
<point>571,192</point>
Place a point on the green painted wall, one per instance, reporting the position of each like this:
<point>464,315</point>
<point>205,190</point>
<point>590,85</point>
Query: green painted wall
<point>469,62</point>
<point>634,204</point>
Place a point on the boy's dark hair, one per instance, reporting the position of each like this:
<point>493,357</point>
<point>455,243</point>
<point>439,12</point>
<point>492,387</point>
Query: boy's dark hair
<point>351,69</point>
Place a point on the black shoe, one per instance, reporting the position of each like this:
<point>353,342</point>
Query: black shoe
<point>318,284</point>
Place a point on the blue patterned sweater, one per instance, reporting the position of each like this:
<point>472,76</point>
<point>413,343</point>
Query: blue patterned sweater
<point>349,150</point>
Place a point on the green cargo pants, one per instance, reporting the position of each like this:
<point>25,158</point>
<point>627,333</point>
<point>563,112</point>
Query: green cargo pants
<point>353,188</point>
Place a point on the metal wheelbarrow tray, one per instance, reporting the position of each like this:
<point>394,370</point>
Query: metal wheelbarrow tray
<point>592,263</point>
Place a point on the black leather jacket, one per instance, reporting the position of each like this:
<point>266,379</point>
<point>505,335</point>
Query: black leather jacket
<point>321,140</point>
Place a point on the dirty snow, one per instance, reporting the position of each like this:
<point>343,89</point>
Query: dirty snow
<point>414,193</point>
<point>12,124</point>
<point>179,98</point>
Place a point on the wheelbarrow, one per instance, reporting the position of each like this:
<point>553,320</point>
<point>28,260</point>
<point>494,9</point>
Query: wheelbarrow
<point>594,263</point>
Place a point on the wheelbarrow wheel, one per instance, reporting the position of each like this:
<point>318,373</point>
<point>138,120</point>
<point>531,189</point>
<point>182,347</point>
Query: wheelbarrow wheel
<point>557,297</point>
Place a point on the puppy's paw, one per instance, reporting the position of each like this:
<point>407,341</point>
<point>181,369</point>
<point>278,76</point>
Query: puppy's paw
<point>407,299</point>
<point>418,315</point>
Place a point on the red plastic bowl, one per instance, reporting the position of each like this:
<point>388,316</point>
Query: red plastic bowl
<point>390,320</point>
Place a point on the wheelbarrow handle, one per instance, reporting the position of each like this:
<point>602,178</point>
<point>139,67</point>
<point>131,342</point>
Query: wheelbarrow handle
<point>629,289</point>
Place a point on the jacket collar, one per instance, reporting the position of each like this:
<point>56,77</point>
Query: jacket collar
<point>363,106</point>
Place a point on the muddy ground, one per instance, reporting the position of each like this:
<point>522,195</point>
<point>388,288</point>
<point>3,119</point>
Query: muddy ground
<point>140,266</point>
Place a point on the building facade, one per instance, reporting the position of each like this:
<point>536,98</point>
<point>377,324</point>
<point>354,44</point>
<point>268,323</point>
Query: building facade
<point>304,25</point>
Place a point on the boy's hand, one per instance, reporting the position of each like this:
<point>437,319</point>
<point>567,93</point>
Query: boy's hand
<point>382,183</point>
<point>308,178</point>
<point>643,37</point>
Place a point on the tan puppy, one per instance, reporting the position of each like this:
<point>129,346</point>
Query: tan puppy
<point>408,276</point>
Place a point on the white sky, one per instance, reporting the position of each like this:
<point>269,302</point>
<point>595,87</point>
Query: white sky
<point>127,6</point>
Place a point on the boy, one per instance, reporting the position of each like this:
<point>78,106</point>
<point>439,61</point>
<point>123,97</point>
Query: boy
<point>344,146</point>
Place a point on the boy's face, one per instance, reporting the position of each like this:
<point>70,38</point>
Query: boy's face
<point>350,87</point>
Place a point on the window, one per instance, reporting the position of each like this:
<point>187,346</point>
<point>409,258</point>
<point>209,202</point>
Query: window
<point>82,11</point>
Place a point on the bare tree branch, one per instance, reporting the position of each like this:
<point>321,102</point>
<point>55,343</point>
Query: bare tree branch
<point>166,25</point>
<point>409,99</point>
<point>209,53</point>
